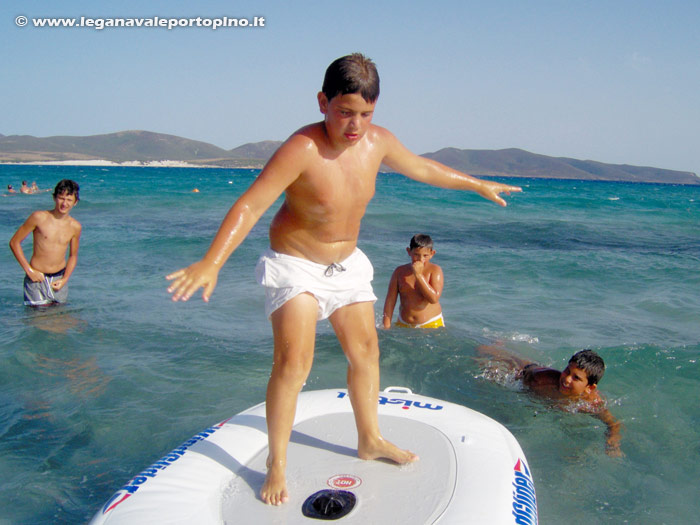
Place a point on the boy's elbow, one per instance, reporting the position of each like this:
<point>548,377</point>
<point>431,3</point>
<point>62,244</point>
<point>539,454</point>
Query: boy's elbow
<point>434,299</point>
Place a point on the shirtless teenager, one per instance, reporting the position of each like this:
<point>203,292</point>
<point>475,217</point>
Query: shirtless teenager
<point>314,269</point>
<point>419,286</point>
<point>54,232</point>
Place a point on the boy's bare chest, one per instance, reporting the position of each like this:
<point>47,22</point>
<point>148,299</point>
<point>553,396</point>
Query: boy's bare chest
<point>407,281</point>
<point>49,232</point>
<point>335,188</point>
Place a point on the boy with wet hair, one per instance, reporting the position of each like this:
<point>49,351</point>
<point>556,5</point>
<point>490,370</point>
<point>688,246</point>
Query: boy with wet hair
<point>577,383</point>
<point>313,269</point>
<point>54,232</point>
<point>419,286</point>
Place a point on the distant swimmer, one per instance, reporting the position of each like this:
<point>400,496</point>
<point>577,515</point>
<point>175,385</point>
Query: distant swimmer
<point>577,385</point>
<point>10,189</point>
<point>419,286</point>
<point>24,188</point>
<point>195,190</point>
<point>54,232</point>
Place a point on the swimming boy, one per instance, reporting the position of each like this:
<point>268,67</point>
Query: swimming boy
<point>314,269</point>
<point>54,232</point>
<point>419,286</point>
<point>577,383</point>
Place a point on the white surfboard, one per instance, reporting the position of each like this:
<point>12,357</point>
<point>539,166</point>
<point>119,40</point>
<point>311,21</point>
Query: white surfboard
<point>471,470</point>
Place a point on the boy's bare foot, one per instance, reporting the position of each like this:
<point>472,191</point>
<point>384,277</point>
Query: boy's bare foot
<point>274,490</point>
<point>382,449</point>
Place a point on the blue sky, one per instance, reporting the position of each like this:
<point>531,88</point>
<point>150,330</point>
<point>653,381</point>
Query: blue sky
<point>616,81</point>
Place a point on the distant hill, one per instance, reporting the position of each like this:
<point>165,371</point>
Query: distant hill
<point>256,150</point>
<point>519,163</point>
<point>145,146</point>
<point>117,147</point>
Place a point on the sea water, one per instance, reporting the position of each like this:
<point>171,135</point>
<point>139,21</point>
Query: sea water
<point>94,391</point>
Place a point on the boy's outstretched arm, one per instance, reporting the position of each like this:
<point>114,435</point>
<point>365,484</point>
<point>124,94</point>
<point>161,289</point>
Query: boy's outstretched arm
<point>400,159</point>
<point>612,435</point>
<point>498,352</point>
<point>280,171</point>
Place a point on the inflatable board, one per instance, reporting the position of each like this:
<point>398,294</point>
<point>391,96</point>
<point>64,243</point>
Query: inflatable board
<point>471,470</point>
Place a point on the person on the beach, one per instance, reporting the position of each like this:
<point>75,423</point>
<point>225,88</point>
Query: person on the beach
<point>313,269</point>
<point>576,385</point>
<point>54,232</point>
<point>418,285</point>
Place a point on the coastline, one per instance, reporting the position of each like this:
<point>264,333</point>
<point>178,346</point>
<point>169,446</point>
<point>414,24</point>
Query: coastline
<point>102,162</point>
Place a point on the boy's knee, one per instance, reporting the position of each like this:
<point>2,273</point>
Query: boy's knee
<point>365,351</point>
<point>292,370</point>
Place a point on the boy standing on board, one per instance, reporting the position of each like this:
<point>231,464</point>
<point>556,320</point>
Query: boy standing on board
<point>313,269</point>
<point>419,285</point>
<point>54,232</point>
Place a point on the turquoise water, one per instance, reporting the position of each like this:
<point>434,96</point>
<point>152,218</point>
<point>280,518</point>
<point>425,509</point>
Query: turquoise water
<point>92,392</point>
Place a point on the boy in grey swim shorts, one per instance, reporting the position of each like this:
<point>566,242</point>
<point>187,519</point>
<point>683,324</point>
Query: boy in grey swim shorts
<point>54,232</point>
<point>327,172</point>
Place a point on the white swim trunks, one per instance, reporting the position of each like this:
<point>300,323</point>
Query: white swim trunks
<point>334,286</point>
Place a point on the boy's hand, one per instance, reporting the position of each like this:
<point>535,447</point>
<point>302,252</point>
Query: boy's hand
<point>490,190</point>
<point>417,267</point>
<point>188,280</point>
<point>612,446</point>
<point>57,284</point>
<point>35,275</point>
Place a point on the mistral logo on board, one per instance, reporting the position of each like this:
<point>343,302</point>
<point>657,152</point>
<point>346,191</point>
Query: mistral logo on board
<point>151,472</point>
<point>524,499</point>
<point>407,403</point>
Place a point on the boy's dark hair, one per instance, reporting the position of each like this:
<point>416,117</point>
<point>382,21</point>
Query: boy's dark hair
<point>591,363</point>
<point>67,186</point>
<point>352,74</point>
<point>421,240</point>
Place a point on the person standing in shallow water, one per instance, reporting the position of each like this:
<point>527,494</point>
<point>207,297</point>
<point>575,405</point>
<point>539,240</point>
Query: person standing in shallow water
<point>313,269</point>
<point>419,286</point>
<point>54,232</point>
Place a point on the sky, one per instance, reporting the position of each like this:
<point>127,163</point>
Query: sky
<point>615,81</point>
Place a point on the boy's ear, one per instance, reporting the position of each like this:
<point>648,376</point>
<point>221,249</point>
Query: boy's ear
<point>322,102</point>
<point>591,388</point>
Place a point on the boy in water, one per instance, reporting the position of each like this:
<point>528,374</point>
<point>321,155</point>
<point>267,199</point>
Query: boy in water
<point>419,286</point>
<point>54,232</point>
<point>578,383</point>
<point>313,269</point>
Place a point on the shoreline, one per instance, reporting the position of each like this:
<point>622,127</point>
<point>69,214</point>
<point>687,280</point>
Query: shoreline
<point>109,163</point>
<point>253,166</point>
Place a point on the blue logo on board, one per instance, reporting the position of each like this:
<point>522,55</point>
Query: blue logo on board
<point>406,403</point>
<point>135,483</point>
<point>524,499</point>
